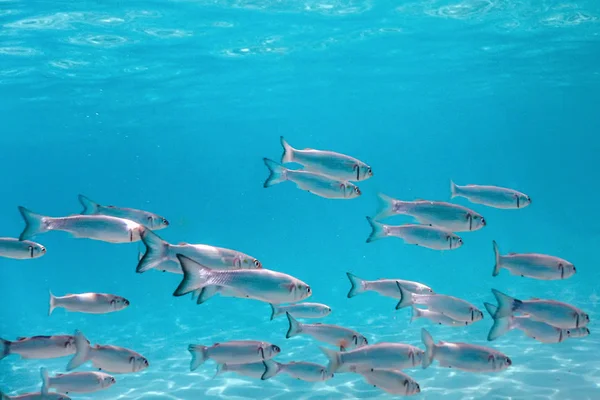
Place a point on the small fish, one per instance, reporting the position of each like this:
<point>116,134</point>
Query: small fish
<point>531,265</point>
<point>162,256</point>
<point>321,185</point>
<point>455,308</point>
<point>385,287</point>
<point>463,356</point>
<point>305,371</point>
<point>107,358</point>
<point>96,227</point>
<point>491,196</point>
<point>91,303</point>
<point>269,286</point>
<point>301,310</point>
<point>39,347</point>
<point>449,216</point>
<point>391,381</point>
<point>76,382</point>
<point>20,249</point>
<point>233,352</point>
<point>378,355</point>
<point>258,370</point>
<point>336,165</point>
<point>148,219</point>
<point>428,236</point>
<point>555,313</point>
<point>36,396</point>
<point>437,317</point>
<point>334,335</point>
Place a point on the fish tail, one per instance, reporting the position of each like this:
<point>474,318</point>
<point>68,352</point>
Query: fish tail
<point>89,207</point>
<point>378,230</point>
<point>277,173</point>
<point>157,251</point>
<point>207,292</point>
<point>199,355</point>
<point>429,347</point>
<point>34,224</point>
<point>406,298</point>
<point>501,325</point>
<point>506,304</point>
<point>453,189</point>
<point>272,368</point>
<point>274,311</point>
<point>288,151</point>
<point>82,353</point>
<point>358,285</point>
<point>497,266</point>
<point>416,313</point>
<point>4,348</point>
<point>195,276</point>
<point>45,380</point>
<point>334,357</point>
<point>295,326</point>
<point>52,303</point>
<point>385,206</point>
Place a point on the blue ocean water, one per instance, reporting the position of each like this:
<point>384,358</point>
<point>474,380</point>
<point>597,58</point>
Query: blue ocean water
<point>170,106</point>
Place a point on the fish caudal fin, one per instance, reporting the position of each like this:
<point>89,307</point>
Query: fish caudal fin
<point>288,151</point>
<point>157,251</point>
<point>334,357</point>
<point>195,276</point>
<point>506,304</point>
<point>52,303</point>
<point>295,326</point>
<point>45,381</point>
<point>501,325</point>
<point>89,207</point>
<point>497,266</point>
<point>34,224</point>
<point>358,285</point>
<point>429,347</point>
<point>4,348</point>
<point>274,311</point>
<point>277,173</point>
<point>453,190</point>
<point>199,355</point>
<point>385,206</point>
<point>82,353</point>
<point>272,368</point>
<point>416,313</point>
<point>207,292</point>
<point>406,298</point>
<point>377,230</point>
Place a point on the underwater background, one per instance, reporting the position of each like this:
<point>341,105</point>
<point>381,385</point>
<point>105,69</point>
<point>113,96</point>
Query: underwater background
<point>170,106</point>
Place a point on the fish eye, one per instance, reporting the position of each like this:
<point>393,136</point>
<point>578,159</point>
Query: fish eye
<point>308,289</point>
<point>276,349</point>
<point>165,222</point>
<point>328,309</point>
<point>568,332</point>
<point>508,361</point>
<point>418,387</point>
<point>257,263</point>
<point>145,361</point>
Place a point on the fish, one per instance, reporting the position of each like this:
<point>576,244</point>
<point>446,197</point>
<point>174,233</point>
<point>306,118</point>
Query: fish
<point>555,313</point>
<point>39,347</point>
<point>36,396</point>
<point>232,352</point>
<point>463,356</point>
<point>148,219</point>
<point>336,165</point>
<point>491,196</point>
<point>301,310</point>
<point>532,265</point>
<point>161,255</point>
<point>320,185</point>
<point>429,236</point>
<point>76,382</point>
<point>436,317</point>
<point>378,355</point>
<point>262,284</point>
<point>106,358</point>
<point>449,216</point>
<point>96,227</point>
<point>453,307</point>
<point>91,303</point>
<point>391,381</point>
<point>305,371</point>
<point>258,370</point>
<point>385,287</point>
<point>334,335</point>
<point>20,249</point>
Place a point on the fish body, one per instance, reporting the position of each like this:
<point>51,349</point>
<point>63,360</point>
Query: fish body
<point>148,219</point>
<point>336,165</point>
<point>232,352</point>
<point>378,355</point>
<point>436,317</point>
<point>491,196</point>
<point>90,303</point>
<point>301,310</point>
<point>258,370</point>
<point>39,347</point>
<point>429,236</point>
<point>306,371</point>
<point>532,265</point>
<point>385,287</point>
<point>20,249</point>
<point>391,381</point>
<point>77,382</point>
<point>334,335</point>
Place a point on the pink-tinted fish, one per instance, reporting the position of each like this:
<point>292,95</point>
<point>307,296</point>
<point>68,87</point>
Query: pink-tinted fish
<point>532,265</point>
<point>233,352</point>
<point>76,382</point>
<point>378,355</point>
<point>90,303</point>
<point>385,287</point>
<point>429,236</point>
<point>39,347</point>
<point>334,335</point>
<point>148,219</point>
<point>391,381</point>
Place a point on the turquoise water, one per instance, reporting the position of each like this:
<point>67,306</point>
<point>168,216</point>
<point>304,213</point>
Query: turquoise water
<point>169,106</point>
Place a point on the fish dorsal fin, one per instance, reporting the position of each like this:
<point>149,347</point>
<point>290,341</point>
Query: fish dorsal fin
<point>111,206</point>
<point>308,148</point>
<point>442,342</point>
<point>183,244</point>
<point>512,254</point>
<point>36,337</point>
<point>21,338</point>
<point>419,199</point>
<point>535,298</point>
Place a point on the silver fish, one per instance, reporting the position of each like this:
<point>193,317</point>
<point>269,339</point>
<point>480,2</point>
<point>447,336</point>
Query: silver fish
<point>258,370</point>
<point>391,381</point>
<point>429,236</point>
<point>76,382</point>
<point>36,396</point>
<point>301,310</point>
<point>436,317</point>
<point>20,249</point>
<point>269,286</point>
<point>233,352</point>
<point>305,371</point>
<point>385,287</point>
<point>39,347</point>
<point>148,219</point>
<point>162,256</point>
<point>321,185</point>
<point>378,355</point>
<point>334,335</point>
<point>336,165</point>
<point>531,265</point>
<point>91,303</point>
<point>455,308</point>
<point>492,196</point>
<point>452,217</point>
<point>96,227</point>
<point>555,313</point>
<point>463,356</point>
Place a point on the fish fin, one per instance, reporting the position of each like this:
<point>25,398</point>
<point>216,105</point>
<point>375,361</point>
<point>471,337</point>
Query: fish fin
<point>34,224</point>
<point>221,369</point>
<point>429,348</point>
<point>207,292</point>
<point>453,189</point>
<point>82,353</point>
<point>295,326</point>
<point>196,293</point>
<point>195,276</point>
<point>288,151</point>
<point>89,207</point>
<point>52,305</point>
<point>277,173</point>
<point>274,311</point>
<point>416,313</point>
<point>497,266</point>
<point>377,230</point>
<point>45,381</point>
<point>405,297</point>
<point>358,285</point>
<point>199,355</point>
<point>506,304</point>
<point>156,251</point>
<point>4,348</point>
<point>272,368</point>
<point>501,325</point>
<point>334,357</point>
<point>385,206</point>
<point>183,244</point>
<point>342,348</point>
